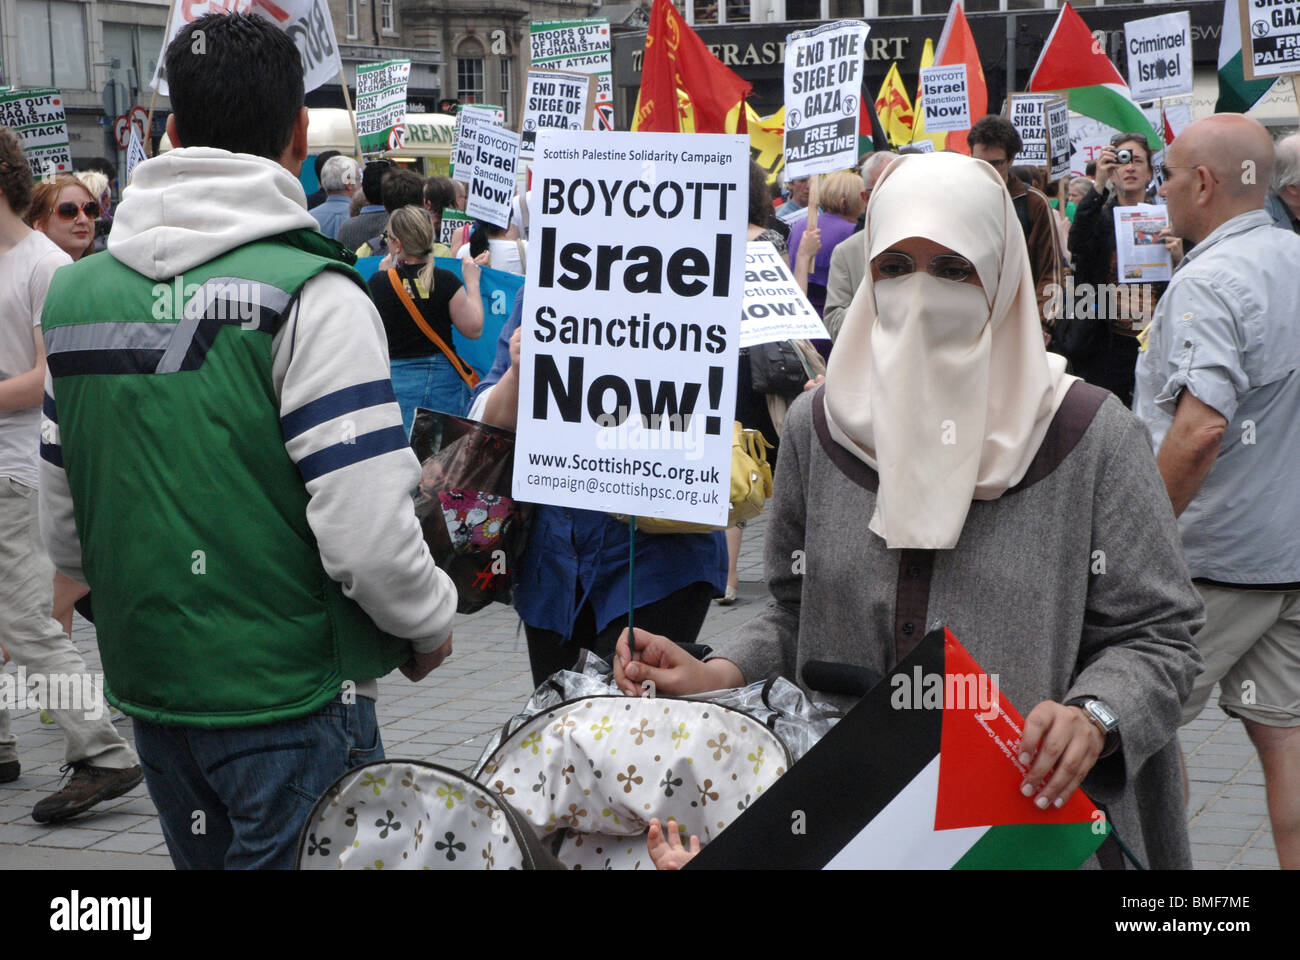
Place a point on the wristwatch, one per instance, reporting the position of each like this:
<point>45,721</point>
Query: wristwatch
<point>1103,718</point>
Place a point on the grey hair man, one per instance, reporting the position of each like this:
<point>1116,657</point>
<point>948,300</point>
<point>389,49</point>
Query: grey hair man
<point>1284,198</point>
<point>1218,390</point>
<point>338,178</point>
<point>849,259</point>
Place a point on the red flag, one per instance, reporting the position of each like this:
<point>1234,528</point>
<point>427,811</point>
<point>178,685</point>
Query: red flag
<point>676,59</point>
<point>957,45</point>
<point>1168,131</point>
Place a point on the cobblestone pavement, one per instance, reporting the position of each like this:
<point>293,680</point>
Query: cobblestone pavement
<point>449,716</point>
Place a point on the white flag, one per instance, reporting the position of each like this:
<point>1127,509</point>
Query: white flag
<point>307,21</point>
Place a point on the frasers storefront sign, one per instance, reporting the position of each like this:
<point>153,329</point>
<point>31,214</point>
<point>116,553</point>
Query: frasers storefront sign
<point>772,52</point>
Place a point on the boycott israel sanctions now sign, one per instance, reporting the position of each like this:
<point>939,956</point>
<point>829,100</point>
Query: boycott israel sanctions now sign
<point>308,21</point>
<point>38,119</point>
<point>469,119</point>
<point>381,104</point>
<point>631,318</point>
<point>775,308</point>
<point>944,98</point>
<point>823,94</point>
<point>492,175</point>
<point>1159,56</point>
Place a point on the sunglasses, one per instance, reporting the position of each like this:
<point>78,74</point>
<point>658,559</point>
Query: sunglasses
<point>945,267</point>
<point>69,211</point>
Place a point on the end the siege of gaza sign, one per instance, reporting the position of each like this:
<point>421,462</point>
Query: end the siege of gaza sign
<point>631,323</point>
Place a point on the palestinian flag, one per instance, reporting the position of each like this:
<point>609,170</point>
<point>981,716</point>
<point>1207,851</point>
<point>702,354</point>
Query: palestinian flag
<point>871,135</point>
<point>1236,93</point>
<point>922,774</point>
<point>1073,63</point>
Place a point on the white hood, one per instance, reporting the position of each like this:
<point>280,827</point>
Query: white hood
<point>190,205</point>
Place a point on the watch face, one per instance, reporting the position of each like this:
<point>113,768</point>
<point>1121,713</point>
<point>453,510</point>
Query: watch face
<point>1098,710</point>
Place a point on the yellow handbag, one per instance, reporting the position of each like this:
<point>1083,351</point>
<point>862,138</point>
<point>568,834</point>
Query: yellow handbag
<point>751,485</point>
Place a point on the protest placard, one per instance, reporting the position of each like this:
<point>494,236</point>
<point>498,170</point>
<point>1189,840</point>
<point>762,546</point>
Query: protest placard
<point>1028,114</point>
<point>554,101</point>
<point>945,99</point>
<point>775,308</point>
<point>452,221</point>
<point>309,22</point>
<point>135,155</point>
<point>1270,38</point>
<point>1059,150</point>
<point>381,104</point>
<point>579,46</point>
<point>38,119</point>
<point>1140,253</point>
<point>469,119</point>
<point>492,175</point>
<point>631,323</point>
<point>1159,56</point>
<point>823,94</point>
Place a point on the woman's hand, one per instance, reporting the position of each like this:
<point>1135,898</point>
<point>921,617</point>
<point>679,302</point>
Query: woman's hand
<point>667,668</point>
<point>1061,739</point>
<point>1105,167</point>
<point>484,259</point>
<point>668,852</point>
<point>810,244</point>
<point>814,383</point>
<point>469,271</point>
<point>516,339</point>
<point>385,264</point>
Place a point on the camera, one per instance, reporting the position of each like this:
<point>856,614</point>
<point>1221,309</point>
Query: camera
<point>1123,156</point>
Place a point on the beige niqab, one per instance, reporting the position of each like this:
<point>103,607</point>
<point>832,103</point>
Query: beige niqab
<point>944,389</point>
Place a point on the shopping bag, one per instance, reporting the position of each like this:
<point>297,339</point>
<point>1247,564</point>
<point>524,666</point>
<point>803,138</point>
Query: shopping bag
<point>474,528</point>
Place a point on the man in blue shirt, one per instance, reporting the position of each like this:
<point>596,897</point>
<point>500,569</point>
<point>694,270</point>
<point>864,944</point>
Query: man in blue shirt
<point>338,178</point>
<point>1218,389</point>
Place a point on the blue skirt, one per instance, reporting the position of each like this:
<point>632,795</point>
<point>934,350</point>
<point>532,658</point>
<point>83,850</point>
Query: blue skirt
<point>429,382</point>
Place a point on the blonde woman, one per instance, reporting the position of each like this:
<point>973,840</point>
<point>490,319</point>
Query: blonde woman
<point>840,206</point>
<point>425,373</point>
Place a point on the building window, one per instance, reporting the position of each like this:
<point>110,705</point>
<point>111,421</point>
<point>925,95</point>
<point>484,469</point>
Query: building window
<point>350,19</point>
<point>469,79</point>
<point>386,22</point>
<point>506,99</point>
<point>52,45</point>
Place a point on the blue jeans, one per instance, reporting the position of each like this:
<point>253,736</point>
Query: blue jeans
<point>429,382</point>
<point>253,786</point>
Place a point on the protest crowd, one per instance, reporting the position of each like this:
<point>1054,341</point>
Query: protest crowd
<point>272,442</point>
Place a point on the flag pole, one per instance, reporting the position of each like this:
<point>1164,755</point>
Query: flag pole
<point>814,197</point>
<point>352,117</point>
<point>153,98</point>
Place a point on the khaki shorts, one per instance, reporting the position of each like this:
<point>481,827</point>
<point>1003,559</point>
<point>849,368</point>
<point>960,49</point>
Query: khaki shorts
<point>1251,647</point>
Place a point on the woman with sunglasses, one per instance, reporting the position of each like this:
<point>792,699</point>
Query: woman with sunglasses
<point>1104,346</point>
<point>64,211</point>
<point>950,472</point>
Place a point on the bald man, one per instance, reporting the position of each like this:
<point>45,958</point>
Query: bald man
<point>1218,389</point>
<point>1284,199</point>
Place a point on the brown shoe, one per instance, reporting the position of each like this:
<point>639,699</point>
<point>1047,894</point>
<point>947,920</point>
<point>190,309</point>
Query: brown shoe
<point>88,786</point>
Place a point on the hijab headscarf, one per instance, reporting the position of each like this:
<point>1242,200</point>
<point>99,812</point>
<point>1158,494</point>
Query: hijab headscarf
<point>942,388</point>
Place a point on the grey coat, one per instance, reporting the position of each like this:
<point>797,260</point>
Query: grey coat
<point>1019,591</point>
